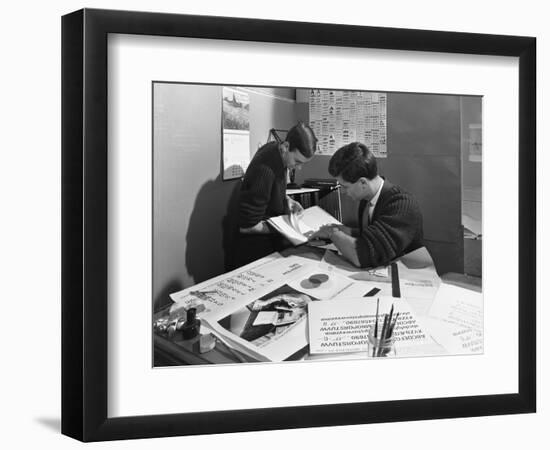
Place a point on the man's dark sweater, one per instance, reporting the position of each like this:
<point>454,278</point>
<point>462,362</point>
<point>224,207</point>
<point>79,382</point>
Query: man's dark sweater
<point>395,228</point>
<point>263,190</point>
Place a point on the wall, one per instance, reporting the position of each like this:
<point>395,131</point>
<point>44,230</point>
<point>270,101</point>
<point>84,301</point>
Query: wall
<point>471,114</point>
<point>193,208</point>
<point>423,138</point>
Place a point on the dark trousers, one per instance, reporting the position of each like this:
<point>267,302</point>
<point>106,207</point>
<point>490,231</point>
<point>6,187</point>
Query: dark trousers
<point>251,247</point>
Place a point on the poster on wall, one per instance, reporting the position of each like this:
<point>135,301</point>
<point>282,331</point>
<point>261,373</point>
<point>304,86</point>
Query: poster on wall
<point>341,117</point>
<point>236,132</point>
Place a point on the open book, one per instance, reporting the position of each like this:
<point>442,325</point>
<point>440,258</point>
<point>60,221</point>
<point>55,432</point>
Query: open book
<point>297,228</point>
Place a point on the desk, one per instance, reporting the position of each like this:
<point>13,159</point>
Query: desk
<point>176,351</point>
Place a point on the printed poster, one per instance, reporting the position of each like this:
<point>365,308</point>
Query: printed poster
<point>340,117</point>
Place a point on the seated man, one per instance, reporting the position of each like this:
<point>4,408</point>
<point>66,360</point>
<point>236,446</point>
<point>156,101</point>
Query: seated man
<point>390,221</point>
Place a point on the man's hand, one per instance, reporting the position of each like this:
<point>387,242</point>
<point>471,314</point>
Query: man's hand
<point>260,228</point>
<point>325,232</point>
<point>295,207</point>
<point>343,229</point>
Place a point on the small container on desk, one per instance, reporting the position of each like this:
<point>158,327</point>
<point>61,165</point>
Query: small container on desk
<point>380,347</point>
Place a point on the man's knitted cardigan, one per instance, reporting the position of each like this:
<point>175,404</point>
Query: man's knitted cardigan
<point>263,190</point>
<point>395,228</point>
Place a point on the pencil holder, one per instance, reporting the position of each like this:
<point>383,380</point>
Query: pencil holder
<point>378,347</point>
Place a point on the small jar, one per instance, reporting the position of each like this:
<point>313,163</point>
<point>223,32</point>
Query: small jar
<point>191,327</point>
<point>378,347</point>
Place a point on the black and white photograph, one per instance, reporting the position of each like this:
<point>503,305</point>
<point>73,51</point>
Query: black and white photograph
<point>313,224</point>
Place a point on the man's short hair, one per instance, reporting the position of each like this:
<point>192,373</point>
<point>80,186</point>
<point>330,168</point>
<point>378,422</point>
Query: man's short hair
<point>302,138</point>
<point>352,162</point>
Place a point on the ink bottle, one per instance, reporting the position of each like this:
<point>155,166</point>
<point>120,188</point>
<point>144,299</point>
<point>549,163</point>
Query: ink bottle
<point>192,325</point>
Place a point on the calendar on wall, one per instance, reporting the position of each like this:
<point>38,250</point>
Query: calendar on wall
<point>236,132</point>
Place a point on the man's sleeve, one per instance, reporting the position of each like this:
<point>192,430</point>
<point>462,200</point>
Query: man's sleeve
<point>255,196</point>
<point>391,233</point>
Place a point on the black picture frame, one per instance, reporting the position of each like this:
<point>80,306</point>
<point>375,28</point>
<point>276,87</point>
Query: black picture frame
<point>84,224</point>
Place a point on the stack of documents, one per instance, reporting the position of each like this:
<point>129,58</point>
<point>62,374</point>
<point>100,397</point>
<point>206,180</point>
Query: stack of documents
<point>261,310</point>
<point>277,306</point>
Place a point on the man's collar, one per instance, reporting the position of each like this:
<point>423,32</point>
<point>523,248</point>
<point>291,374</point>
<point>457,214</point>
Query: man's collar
<point>374,199</point>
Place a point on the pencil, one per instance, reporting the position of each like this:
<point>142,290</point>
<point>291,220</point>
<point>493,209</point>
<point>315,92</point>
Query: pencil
<point>383,332</point>
<point>393,325</point>
<point>375,327</point>
<point>389,320</point>
<point>376,320</point>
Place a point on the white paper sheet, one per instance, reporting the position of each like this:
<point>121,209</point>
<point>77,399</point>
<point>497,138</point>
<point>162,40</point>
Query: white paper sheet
<point>364,281</point>
<point>323,285</point>
<point>314,218</point>
<point>456,319</point>
<point>242,283</point>
<point>417,282</point>
<point>306,223</point>
<point>342,326</point>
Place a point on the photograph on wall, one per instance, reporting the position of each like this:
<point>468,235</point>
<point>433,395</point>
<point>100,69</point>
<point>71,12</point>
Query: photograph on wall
<point>358,258</point>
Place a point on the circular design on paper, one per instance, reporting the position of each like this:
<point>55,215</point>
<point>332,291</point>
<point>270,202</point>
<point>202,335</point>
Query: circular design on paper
<point>314,281</point>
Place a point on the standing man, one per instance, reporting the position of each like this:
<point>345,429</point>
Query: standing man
<point>263,192</point>
<point>390,221</point>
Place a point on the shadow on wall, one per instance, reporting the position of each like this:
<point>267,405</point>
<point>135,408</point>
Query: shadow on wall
<point>163,298</point>
<point>211,229</point>
<point>231,227</point>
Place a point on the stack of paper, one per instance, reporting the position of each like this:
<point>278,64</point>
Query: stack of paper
<point>276,306</point>
<point>271,324</point>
